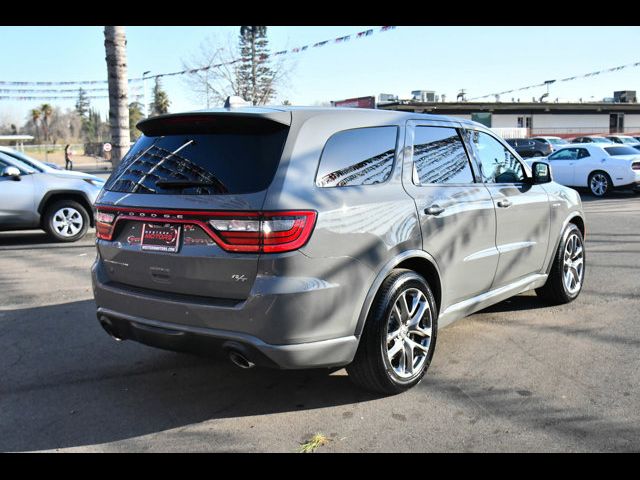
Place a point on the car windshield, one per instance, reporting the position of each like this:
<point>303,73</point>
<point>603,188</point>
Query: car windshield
<point>557,141</point>
<point>621,150</point>
<point>601,140</point>
<point>17,163</point>
<point>628,140</point>
<point>32,162</point>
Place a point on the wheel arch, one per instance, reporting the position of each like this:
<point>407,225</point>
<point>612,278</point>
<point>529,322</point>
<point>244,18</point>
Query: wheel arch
<point>416,260</point>
<point>578,220</point>
<point>75,195</point>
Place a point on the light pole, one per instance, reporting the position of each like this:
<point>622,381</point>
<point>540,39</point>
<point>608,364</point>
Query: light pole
<point>144,91</point>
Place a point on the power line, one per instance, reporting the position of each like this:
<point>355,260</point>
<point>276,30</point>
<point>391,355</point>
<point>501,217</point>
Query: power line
<point>568,79</point>
<point>342,39</point>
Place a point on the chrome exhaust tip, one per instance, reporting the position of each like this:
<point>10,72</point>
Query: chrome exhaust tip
<point>108,327</point>
<point>240,360</point>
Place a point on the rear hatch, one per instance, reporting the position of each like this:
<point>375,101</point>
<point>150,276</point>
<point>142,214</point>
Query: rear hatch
<point>180,213</point>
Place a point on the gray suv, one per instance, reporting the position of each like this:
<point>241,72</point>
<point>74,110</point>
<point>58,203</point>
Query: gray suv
<point>309,237</point>
<point>35,195</point>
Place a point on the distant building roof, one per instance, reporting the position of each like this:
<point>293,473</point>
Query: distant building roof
<point>452,108</point>
<point>16,137</point>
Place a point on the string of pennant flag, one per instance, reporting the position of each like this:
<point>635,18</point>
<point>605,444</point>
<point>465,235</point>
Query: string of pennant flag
<point>568,79</point>
<point>342,39</point>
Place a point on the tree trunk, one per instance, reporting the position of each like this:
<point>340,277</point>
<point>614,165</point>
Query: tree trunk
<point>115,43</point>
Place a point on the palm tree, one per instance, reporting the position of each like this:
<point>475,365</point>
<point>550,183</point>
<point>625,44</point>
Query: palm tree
<point>35,116</point>
<point>47,111</point>
<point>115,44</point>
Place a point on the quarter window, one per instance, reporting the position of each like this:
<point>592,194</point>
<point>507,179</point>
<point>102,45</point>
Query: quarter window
<point>361,156</point>
<point>439,157</point>
<point>498,165</point>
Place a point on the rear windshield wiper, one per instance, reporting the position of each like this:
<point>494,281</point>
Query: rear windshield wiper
<point>189,183</point>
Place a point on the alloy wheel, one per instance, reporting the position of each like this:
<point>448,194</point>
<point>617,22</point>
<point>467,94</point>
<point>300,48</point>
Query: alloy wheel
<point>67,222</point>
<point>409,331</point>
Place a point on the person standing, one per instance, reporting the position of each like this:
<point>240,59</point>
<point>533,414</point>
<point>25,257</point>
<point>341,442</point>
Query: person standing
<point>68,163</point>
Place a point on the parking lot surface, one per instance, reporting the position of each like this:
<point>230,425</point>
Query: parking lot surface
<point>519,376</point>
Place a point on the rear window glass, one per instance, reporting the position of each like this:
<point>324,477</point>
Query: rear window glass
<point>621,150</point>
<point>200,164</point>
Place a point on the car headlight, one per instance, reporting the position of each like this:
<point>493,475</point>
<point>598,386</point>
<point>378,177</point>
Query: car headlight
<point>94,182</point>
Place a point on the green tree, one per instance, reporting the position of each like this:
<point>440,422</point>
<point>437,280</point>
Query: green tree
<point>47,112</point>
<point>255,77</point>
<point>161,102</point>
<point>83,103</point>
<point>135,115</point>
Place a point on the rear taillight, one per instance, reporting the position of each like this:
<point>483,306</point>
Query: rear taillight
<point>257,232</point>
<point>268,232</point>
<point>104,224</point>
<point>635,166</point>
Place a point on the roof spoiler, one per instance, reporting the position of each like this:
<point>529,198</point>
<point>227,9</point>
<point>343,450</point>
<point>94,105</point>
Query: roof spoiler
<point>221,121</point>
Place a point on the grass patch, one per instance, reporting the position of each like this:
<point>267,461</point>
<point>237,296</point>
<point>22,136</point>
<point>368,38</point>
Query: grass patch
<point>316,441</point>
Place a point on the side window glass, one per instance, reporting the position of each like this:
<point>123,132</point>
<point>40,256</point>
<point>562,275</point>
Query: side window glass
<point>439,157</point>
<point>497,164</point>
<point>361,156</point>
<point>583,153</point>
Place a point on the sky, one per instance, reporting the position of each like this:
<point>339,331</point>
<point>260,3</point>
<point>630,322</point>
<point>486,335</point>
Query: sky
<point>482,60</point>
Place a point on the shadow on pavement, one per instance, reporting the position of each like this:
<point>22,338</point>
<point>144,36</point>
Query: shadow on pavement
<point>66,383</point>
<point>32,238</point>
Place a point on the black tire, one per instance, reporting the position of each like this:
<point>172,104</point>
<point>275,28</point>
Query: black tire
<point>608,184</point>
<point>537,154</point>
<point>48,220</point>
<point>555,292</point>
<point>371,368</point>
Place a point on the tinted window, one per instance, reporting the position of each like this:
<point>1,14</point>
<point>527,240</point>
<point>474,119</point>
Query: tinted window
<point>362,156</point>
<point>497,163</point>
<point>200,164</point>
<point>439,157</point>
<point>621,150</point>
<point>583,153</point>
<point>565,154</point>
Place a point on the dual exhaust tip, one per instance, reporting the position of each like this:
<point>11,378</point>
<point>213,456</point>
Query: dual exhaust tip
<point>240,360</point>
<point>235,355</point>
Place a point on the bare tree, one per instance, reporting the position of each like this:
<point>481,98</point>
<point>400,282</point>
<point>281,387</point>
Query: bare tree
<point>115,43</point>
<point>222,56</point>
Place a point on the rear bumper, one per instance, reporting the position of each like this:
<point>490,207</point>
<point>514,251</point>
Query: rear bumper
<point>169,336</point>
<point>305,324</point>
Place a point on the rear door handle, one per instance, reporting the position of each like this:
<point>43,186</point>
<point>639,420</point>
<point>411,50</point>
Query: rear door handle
<point>504,203</point>
<point>434,210</point>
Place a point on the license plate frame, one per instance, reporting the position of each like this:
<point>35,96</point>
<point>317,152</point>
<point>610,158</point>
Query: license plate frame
<point>160,237</point>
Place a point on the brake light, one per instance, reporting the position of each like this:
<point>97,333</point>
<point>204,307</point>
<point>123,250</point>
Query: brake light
<point>267,232</point>
<point>257,232</point>
<point>104,225</point>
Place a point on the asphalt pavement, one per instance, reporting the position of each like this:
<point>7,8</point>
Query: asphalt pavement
<point>519,376</point>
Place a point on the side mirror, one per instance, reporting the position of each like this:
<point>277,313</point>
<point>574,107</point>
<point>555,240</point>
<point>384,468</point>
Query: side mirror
<point>12,172</point>
<point>541,172</point>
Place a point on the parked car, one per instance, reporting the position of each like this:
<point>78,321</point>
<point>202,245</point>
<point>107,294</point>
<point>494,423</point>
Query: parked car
<point>56,201</point>
<point>599,167</point>
<point>32,162</point>
<point>554,142</point>
<point>529,147</point>
<point>624,139</point>
<point>591,139</point>
<point>314,238</point>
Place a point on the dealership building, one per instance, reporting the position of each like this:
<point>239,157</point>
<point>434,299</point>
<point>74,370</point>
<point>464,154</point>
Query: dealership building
<point>620,114</point>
